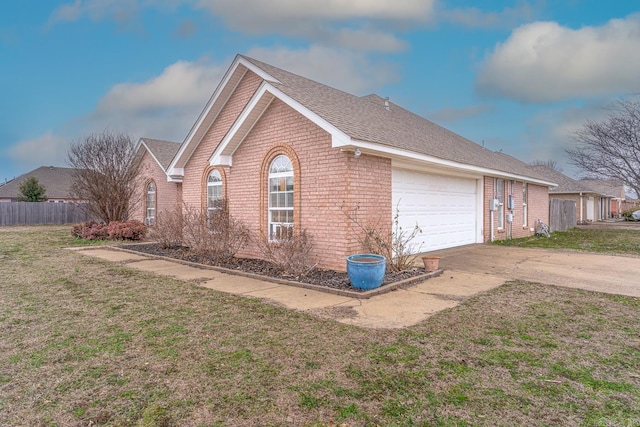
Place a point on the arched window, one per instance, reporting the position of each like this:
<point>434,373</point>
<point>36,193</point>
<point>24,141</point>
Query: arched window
<point>150,216</point>
<point>280,198</point>
<point>214,190</point>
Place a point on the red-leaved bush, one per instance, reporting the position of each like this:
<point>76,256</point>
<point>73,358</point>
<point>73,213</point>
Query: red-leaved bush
<point>126,230</point>
<point>116,230</point>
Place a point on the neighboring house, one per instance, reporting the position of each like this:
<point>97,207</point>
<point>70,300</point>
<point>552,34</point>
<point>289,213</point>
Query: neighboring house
<point>591,204</point>
<point>287,152</point>
<point>57,183</point>
<point>155,157</point>
<point>614,190</point>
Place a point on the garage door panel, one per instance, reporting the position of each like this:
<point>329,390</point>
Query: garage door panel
<point>445,208</point>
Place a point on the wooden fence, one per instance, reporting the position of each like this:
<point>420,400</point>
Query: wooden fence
<point>32,213</point>
<point>562,214</point>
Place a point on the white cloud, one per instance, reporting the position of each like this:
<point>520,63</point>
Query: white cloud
<point>357,24</point>
<point>46,149</point>
<point>268,16</point>
<point>117,10</point>
<point>167,105</point>
<point>544,61</point>
<point>180,84</point>
<point>342,69</point>
<point>474,17</point>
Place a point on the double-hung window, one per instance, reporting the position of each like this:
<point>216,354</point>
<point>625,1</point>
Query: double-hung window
<point>280,198</point>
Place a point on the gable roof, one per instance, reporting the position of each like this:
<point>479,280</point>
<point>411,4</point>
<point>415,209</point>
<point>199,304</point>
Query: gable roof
<point>566,185</point>
<point>353,122</point>
<point>56,180</point>
<point>162,151</point>
<point>610,187</point>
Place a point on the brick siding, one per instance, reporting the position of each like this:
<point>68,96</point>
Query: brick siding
<point>537,208</point>
<point>167,194</point>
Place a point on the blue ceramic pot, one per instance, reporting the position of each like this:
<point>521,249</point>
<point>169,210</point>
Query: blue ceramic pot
<point>366,271</point>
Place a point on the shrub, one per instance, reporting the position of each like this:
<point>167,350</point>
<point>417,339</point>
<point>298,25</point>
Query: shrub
<point>291,254</point>
<point>167,230</point>
<point>91,230</point>
<point>126,230</point>
<point>116,230</point>
<point>395,243</point>
<point>213,234</point>
<point>627,214</point>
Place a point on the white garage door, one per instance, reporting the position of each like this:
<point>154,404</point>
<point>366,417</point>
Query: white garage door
<point>444,207</point>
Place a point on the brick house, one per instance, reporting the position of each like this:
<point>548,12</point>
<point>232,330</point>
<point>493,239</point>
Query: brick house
<point>591,203</point>
<point>614,191</point>
<point>57,182</point>
<point>285,151</point>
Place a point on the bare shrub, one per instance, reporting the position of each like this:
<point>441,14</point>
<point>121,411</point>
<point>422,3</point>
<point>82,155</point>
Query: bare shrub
<point>291,254</point>
<point>167,230</point>
<point>395,243</point>
<point>106,174</point>
<point>214,234</point>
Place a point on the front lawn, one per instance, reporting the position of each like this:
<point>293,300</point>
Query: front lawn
<point>592,239</point>
<point>87,342</point>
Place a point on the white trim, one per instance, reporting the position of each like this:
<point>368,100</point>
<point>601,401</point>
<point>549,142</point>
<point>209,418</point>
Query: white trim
<point>175,174</point>
<point>213,100</point>
<point>406,157</point>
<point>338,138</point>
<point>220,160</point>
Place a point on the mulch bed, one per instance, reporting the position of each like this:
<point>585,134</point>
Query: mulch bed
<point>326,278</point>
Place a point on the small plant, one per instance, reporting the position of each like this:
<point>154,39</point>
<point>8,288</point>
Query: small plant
<point>167,230</point>
<point>291,253</point>
<point>215,233</point>
<point>395,243</point>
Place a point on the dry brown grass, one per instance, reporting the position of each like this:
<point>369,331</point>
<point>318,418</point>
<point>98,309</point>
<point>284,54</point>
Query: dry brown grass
<point>85,342</point>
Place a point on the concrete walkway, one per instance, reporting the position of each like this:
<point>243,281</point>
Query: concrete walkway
<point>467,271</point>
<point>396,309</point>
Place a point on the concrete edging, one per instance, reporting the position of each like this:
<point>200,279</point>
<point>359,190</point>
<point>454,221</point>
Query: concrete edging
<point>352,294</point>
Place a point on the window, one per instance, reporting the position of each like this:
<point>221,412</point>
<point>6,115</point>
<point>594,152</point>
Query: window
<point>500,197</point>
<point>214,190</point>
<point>280,198</point>
<point>524,203</point>
<point>150,217</point>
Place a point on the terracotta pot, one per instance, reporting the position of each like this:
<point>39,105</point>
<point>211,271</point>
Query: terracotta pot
<point>431,262</point>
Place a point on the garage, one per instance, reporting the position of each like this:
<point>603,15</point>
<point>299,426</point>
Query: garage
<point>444,207</point>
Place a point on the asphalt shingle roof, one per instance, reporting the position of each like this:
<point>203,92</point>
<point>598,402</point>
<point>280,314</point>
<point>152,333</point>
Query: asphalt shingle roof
<point>610,187</point>
<point>162,150</point>
<point>57,182</point>
<point>367,119</point>
<point>565,183</point>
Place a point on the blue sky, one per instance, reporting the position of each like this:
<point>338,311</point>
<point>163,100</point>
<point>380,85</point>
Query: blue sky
<point>517,76</point>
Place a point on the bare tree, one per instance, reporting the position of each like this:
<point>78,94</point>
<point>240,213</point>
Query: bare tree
<point>611,148</point>
<point>106,174</point>
<point>551,164</point>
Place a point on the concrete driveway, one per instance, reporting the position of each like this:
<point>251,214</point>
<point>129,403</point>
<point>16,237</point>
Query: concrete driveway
<point>593,272</point>
<point>467,271</point>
